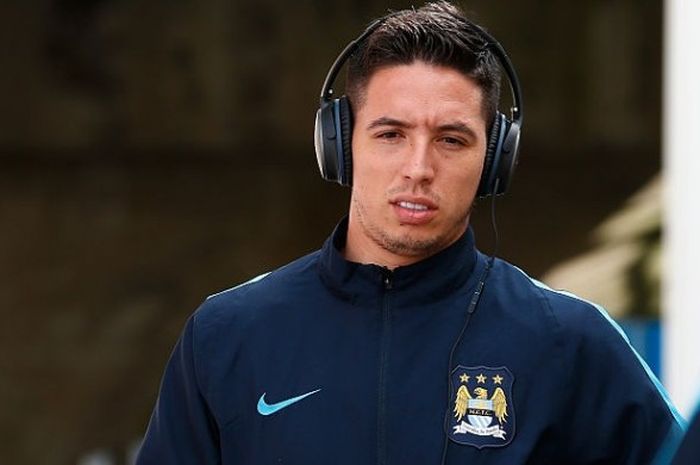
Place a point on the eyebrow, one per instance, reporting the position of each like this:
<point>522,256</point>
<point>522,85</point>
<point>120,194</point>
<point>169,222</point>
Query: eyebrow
<point>386,121</point>
<point>457,126</point>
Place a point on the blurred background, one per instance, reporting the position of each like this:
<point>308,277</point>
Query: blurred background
<point>152,153</point>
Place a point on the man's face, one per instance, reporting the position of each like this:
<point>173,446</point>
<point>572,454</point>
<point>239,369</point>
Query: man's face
<point>418,147</point>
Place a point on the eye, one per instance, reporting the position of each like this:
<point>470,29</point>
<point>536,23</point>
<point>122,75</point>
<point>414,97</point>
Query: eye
<point>389,136</point>
<point>452,142</point>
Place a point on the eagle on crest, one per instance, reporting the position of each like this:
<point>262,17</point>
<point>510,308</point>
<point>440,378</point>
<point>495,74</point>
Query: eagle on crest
<point>498,401</point>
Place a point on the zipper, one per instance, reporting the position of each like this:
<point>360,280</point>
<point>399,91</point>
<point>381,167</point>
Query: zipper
<point>388,283</point>
<point>385,340</point>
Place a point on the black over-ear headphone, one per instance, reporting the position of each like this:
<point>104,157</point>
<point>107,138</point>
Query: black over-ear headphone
<point>333,128</point>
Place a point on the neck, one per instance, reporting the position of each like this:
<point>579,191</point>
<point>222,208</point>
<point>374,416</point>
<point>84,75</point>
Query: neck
<point>361,249</point>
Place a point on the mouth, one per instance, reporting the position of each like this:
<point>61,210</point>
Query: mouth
<point>414,211</point>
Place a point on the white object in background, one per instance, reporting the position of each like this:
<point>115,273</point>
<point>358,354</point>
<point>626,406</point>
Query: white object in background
<point>681,226</point>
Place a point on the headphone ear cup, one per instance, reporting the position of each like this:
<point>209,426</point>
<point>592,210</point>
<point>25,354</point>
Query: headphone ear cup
<point>509,156</point>
<point>491,159</point>
<point>333,140</point>
<point>345,137</point>
<point>324,142</point>
<point>501,156</point>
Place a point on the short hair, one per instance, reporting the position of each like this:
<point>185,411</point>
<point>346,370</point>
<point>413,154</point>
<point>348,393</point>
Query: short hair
<point>438,34</point>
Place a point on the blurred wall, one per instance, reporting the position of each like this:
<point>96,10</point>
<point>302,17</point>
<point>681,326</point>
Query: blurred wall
<point>154,152</point>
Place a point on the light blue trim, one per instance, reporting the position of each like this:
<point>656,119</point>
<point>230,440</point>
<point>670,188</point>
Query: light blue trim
<point>673,441</point>
<point>268,409</point>
<point>662,391</point>
<point>696,411</point>
<point>669,447</point>
<point>254,280</point>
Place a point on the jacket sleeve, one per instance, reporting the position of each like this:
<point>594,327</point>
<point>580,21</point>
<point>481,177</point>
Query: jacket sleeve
<point>619,412</point>
<point>182,429</point>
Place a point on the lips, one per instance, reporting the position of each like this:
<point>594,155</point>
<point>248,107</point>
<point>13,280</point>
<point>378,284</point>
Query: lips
<point>414,211</point>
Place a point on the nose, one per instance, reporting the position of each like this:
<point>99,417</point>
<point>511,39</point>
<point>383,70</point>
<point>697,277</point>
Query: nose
<point>419,164</point>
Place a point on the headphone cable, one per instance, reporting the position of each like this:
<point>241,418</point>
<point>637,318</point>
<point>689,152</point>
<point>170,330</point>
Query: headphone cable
<point>470,311</point>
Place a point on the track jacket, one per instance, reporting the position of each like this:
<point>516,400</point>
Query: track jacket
<point>688,452</point>
<point>325,361</point>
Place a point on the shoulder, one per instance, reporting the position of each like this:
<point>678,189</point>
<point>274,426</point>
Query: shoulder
<point>592,338</point>
<point>594,350</point>
<point>245,302</point>
<point>247,315</point>
<point>582,330</point>
<point>570,313</point>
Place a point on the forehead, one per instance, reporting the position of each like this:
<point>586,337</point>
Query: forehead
<point>422,90</point>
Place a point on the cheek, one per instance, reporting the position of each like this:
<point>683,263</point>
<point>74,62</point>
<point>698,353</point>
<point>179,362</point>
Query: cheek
<point>368,193</point>
<point>371,175</point>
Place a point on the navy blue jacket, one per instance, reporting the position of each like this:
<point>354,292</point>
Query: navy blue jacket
<point>325,361</point>
<point>689,451</point>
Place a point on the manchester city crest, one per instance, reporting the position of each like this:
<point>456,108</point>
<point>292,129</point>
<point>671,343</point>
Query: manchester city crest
<point>481,411</point>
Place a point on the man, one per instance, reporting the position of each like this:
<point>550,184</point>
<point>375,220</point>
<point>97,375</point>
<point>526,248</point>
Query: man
<point>398,342</point>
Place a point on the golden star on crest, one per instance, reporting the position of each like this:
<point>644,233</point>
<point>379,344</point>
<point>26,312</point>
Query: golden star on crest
<point>464,378</point>
<point>497,379</point>
<point>481,378</point>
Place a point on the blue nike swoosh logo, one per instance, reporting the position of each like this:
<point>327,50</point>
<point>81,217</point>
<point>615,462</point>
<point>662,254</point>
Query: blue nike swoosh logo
<point>268,409</point>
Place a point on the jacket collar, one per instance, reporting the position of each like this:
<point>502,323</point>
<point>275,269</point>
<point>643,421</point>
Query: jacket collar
<point>424,281</point>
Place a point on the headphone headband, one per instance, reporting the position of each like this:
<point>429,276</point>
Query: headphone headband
<point>326,90</point>
<point>500,53</point>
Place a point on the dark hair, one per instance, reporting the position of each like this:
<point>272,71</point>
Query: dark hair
<point>436,33</point>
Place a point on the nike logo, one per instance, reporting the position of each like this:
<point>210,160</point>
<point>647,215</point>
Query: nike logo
<point>268,409</point>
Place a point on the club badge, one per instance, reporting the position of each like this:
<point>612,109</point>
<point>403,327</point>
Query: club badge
<point>481,411</point>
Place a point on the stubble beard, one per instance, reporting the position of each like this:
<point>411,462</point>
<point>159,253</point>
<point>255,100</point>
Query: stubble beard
<point>406,244</point>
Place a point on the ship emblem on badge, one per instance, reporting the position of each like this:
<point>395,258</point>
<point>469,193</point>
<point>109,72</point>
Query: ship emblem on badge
<point>481,411</point>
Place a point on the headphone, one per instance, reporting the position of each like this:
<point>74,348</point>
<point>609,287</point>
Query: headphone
<point>333,127</point>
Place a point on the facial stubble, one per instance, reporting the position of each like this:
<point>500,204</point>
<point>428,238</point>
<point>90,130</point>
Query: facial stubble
<point>406,244</point>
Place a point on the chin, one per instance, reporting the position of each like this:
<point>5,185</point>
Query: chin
<point>414,244</point>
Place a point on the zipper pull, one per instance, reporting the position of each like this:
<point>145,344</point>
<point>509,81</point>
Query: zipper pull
<point>387,280</point>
